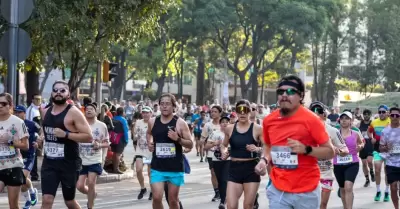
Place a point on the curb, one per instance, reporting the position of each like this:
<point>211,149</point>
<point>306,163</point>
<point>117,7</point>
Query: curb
<point>103,179</point>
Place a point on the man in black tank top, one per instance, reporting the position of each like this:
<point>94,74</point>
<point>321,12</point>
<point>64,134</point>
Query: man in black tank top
<point>244,138</point>
<point>64,126</point>
<point>366,153</point>
<point>166,135</point>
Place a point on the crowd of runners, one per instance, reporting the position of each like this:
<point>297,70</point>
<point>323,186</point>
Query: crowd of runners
<point>302,149</point>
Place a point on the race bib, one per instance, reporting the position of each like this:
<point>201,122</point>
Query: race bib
<point>54,150</point>
<point>7,151</point>
<point>395,149</point>
<point>86,149</point>
<point>188,122</point>
<point>165,150</point>
<point>282,157</point>
<point>365,135</point>
<point>345,159</point>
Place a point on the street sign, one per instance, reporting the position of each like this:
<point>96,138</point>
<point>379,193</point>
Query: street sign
<point>24,45</point>
<point>23,11</point>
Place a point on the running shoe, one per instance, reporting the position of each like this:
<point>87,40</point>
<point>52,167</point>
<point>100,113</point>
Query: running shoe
<point>386,198</point>
<point>378,196</point>
<point>372,176</point>
<point>34,198</point>
<point>150,196</point>
<point>142,193</point>
<point>221,206</point>
<point>216,197</point>
<point>27,205</point>
<point>366,183</point>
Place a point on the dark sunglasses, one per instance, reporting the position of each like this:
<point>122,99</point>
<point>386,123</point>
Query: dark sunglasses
<point>288,91</point>
<point>382,112</point>
<point>3,104</point>
<point>394,115</point>
<point>318,110</point>
<point>253,109</point>
<point>59,90</point>
<point>242,109</point>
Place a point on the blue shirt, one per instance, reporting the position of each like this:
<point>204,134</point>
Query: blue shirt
<point>124,125</point>
<point>33,128</point>
<point>197,127</point>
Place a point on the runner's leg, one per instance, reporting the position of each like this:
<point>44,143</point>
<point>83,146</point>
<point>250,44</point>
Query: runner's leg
<point>140,176</point>
<point>233,194</point>
<point>173,193</point>
<point>157,190</point>
<point>250,192</point>
<point>91,181</point>
<point>13,196</point>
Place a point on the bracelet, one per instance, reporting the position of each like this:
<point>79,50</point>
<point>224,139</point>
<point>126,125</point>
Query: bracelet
<point>265,160</point>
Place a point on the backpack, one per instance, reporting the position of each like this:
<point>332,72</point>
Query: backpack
<point>117,133</point>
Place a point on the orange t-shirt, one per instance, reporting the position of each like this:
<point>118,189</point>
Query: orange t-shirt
<point>306,127</point>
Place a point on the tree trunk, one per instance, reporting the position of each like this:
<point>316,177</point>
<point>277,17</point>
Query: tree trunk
<point>32,84</point>
<point>254,85</point>
<point>333,64</point>
<point>315,55</point>
<point>235,78</point>
<point>200,79</point>
<point>243,86</point>
<point>160,85</point>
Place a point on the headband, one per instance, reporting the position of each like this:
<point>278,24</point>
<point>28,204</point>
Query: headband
<point>289,83</point>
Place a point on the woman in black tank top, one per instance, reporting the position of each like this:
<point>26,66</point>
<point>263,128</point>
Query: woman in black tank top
<point>243,138</point>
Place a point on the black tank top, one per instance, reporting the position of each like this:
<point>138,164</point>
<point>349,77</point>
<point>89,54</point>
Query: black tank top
<point>364,126</point>
<point>238,142</point>
<point>167,155</point>
<point>61,153</point>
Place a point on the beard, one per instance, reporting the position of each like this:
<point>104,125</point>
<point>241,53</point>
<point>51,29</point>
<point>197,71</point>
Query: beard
<point>59,101</point>
<point>285,111</point>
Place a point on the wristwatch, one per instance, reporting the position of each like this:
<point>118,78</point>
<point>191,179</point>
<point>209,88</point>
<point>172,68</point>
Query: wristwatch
<point>265,160</point>
<point>66,134</point>
<point>308,150</point>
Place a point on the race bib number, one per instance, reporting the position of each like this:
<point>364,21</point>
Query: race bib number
<point>395,149</point>
<point>345,159</point>
<point>165,150</point>
<point>54,150</point>
<point>86,149</point>
<point>189,122</point>
<point>282,157</point>
<point>7,151</point>
<point>365,135</point>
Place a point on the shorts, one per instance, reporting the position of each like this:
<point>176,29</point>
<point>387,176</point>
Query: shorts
<point>210,163</point>
<point>197,135</point>
<point>285,200</point>
<point>94,168</point>
<point>119,148</point>
<point>377,156</point>
<point>346,172</point>
<point>326,185</point>
<point>367,150</point>
<point>28,163</point>
<point>52,177</point>
<point>392,174</point>
<point>175,178</point>
<point>242,172</point>
<point>146,160</point>
<point>12,177</point>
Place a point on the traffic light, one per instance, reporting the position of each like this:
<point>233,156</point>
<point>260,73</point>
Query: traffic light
<point>109,70</point>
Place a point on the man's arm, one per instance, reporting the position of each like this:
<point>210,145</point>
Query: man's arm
<point>21,138</point>
<point>149,137</point>
<point>186,140</point>
<point>84,132</point>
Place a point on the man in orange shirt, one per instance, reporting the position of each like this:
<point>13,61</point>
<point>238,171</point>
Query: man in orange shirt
<point>294,140</point>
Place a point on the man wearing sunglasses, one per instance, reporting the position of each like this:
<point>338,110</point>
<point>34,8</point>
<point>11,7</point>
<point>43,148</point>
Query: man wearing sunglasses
<point>295,139</point>
<point>390,144</point>
<point>366,152</point>
<point>374,133</point>
<point>64,127</point>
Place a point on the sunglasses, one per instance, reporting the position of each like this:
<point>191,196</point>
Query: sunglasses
<point>382,112</point>
<point>394,115</point>
<point>3,104</point>
<point>319,110</point>
<point>253,109</point>
<point>242,109</point>
<point>288,91</point>
<point>59,90</point>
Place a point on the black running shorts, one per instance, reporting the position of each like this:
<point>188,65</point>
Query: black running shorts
<point>241,172</point>
<point>52,177</point>
<point>119,148</point>
<point>12,177</point>
<point>393,174</point>
<point>346,172</point>
<point>367,150</point>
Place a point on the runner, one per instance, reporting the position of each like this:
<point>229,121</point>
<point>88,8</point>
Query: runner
<point>199,121</point>
<point>366,152</point>
<point>243,138</point>
<point>390,143</point>
<point>325,166</point>
<point>64,126</point>
<point>13,137</point>
<point>212,136</point>
<point>142,154</point>
<point>295,139</point>
<point>91,154</point>
<point>34,131</point>
<point>166,135</point>
<point>346,167</point>
<point>374,133</point>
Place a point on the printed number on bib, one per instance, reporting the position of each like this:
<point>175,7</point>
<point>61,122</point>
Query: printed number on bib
<point>54,150</point>
<point>395,149</point>
<point>86,149</point>
<point>282,157</point>
<point>344,159</point>
<point>6,151</point>
<point>365,135</point>
<point>165,150</point>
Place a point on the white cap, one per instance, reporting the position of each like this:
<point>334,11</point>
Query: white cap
<point>348,114</point>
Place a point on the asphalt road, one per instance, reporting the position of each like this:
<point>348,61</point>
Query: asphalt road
<point>196,194</point>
